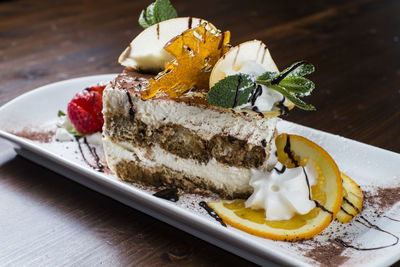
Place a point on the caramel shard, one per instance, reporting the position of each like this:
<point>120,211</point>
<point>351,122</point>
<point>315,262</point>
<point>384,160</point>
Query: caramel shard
<point>196,51</point>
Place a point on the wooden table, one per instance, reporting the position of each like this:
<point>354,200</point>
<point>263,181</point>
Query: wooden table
<point>45,219</point>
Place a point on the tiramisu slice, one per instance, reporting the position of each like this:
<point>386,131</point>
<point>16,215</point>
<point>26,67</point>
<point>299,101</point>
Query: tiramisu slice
<point>182,142</point>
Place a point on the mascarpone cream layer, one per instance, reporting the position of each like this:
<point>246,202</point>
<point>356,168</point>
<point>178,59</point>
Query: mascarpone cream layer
<point>205,122</point>
<point>229,179</point>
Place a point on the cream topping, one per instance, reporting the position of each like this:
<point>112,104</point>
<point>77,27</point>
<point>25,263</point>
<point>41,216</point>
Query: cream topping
<point>268,97</point>
<point>283,192</point>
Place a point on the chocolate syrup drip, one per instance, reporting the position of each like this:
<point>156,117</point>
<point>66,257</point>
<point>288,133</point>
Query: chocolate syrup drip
<point>288,151</point>
<point>308,183</point>
<point>170,194</point>
<point>324,209</point>
<point>131,109</point>
<point>100,167</point>
<point>263,142</point>
<point>265,51</point>
<point>255,109</point>
<point>284,110</point>
<point>158,31</point>
<point>80,150</point>
<point>281,170</point>
<point>190,22</point>
<point>255,94</point>
<point>369,225</point>
<point>211,212</point>
<point>237,91</point>
<point>221,41</point>
<point>391,218</point>
<point>278,79</point>
<point>345,211</point>
<point>351,204</point>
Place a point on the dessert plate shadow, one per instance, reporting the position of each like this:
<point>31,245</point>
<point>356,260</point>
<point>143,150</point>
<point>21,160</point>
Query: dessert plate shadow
<point>371,167</point>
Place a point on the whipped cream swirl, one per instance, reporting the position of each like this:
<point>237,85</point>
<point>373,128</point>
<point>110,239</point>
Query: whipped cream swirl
<point>283,192</point>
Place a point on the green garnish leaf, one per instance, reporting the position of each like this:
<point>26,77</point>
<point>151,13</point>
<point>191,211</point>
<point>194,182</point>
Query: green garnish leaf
<point>267,76</point>
<point>60,113</point>
<point>292,97</point>
<point>232,91</point>
<point>156,12</point>
<point>301,68</point>
<point>74,132</point>
<point>298,85</point>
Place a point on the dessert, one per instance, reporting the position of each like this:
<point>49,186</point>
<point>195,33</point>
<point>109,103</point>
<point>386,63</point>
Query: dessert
<point>206,123</point>
<point>182,142</point>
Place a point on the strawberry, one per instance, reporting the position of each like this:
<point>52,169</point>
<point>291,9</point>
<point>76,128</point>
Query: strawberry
<point>84,110</point>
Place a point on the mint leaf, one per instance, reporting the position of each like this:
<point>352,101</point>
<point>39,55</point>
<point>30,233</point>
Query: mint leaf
<point>163,10</point>
<point>60,113</point>
<point>232,91</point>
<point>156,12</point>
<point>145,18</point>
<point>267,76</point>
<point>298,85</point>
<point>303,68</point>
<point>299,103</point>
<point>300,68</point>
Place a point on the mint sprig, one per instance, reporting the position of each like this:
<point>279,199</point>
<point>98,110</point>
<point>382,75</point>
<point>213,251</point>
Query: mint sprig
<point>290,83</point>
<point>156,12</point>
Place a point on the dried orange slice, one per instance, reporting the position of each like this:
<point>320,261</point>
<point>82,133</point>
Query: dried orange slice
<point>327,194</point>
<point>352,200</point>
<point>196,51</point>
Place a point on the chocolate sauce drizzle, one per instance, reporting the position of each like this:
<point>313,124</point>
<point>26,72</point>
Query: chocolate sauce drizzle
<point>158,31</point>
<point>190,22</point>
<point>255,109</point>
<point>284,110</point>
<point>131,109</point>
<point>370,225</point>
<point>263,142</point>
<point>288,151</point>
<point>237,91</point>
<point>93,152</point>
<point>308,183</point>
<point>255,94</point>
<point>281,170</point>
<point>170,194</point>
<point>99,167</point>
<point>391,218</point>
<point>212,213</point>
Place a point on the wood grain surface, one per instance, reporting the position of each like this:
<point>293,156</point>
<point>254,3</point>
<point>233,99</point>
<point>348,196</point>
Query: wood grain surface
<point>46,219</point>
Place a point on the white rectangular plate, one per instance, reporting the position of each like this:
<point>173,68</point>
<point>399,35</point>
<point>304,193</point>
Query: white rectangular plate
<point>369,166</point>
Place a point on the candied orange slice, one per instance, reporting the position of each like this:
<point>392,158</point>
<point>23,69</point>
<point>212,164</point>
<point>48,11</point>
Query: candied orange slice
<point>353,198</point>
<point>196,51</point>
<point>327,194</point>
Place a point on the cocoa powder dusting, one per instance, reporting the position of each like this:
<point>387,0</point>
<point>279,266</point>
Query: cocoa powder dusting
<point>327,254</point>
<point>40,136</point>
<point>382,198</point>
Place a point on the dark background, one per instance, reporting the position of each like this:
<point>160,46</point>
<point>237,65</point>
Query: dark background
<point>353,44</point>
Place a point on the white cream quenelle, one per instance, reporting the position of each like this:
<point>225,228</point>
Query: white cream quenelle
<point>284,192</point>
<point>252,58</point>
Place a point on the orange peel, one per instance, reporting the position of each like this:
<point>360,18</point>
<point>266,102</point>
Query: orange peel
<point>353,198</point>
